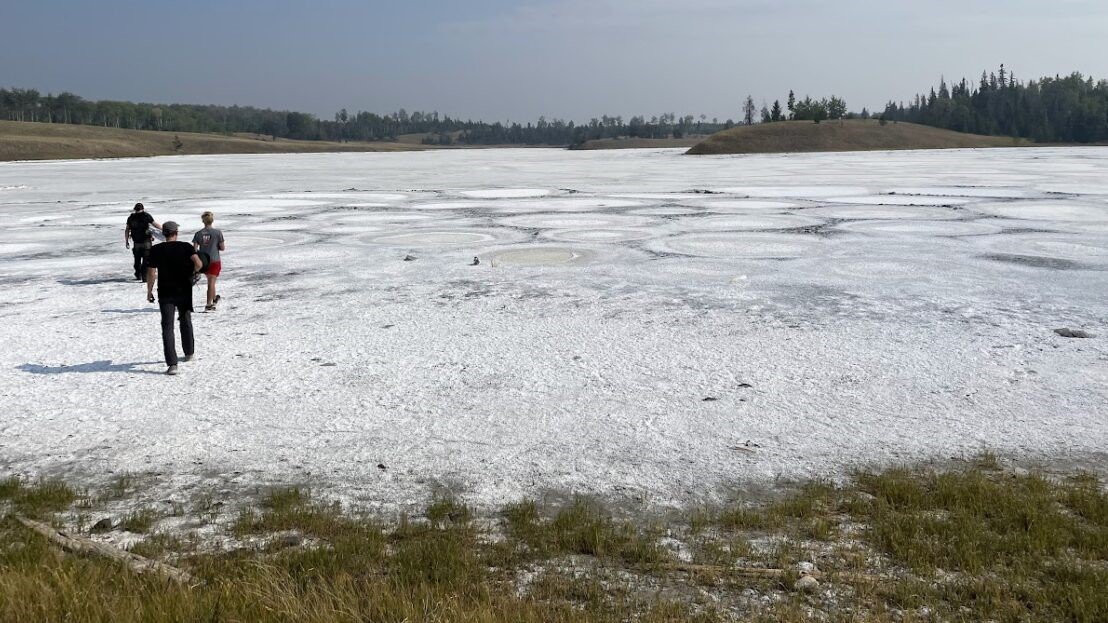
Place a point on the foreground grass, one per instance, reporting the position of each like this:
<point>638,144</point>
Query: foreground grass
<point>969,544</point>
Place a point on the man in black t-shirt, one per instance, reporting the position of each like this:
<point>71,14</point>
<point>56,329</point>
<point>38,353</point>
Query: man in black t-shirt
<point>138,229</point>
<point>173,264</point>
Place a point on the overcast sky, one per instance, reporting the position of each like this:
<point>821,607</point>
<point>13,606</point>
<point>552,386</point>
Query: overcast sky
<point>517,60</point>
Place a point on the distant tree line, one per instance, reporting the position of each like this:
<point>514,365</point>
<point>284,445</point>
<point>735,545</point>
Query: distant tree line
<point>1071,109</point>
<point>65,107</point>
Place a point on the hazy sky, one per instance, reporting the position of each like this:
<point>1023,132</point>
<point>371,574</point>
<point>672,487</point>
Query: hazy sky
<point>500,60</point>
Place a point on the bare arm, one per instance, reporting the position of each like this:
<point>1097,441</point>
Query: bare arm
<point>221,247</point>
<point>157,225</point>
<point>127,236</point>
<point>196,263</point>
<point>151,276</point>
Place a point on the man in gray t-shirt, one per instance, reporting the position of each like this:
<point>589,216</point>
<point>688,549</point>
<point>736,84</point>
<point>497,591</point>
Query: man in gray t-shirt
<point>210,241</point>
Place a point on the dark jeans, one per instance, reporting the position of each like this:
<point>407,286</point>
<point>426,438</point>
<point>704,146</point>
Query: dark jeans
<point>183,308</point>
<point>141,251</point>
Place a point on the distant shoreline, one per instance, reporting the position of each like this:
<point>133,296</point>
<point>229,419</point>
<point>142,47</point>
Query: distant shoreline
<point>29,142</point>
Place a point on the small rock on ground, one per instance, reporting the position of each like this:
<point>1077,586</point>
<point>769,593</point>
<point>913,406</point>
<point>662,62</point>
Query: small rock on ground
<point>806,583</point>
<point>1078,333</point>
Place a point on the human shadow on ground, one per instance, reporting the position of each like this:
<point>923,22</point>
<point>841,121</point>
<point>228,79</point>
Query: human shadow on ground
<point>137,310</point>
<point>105,365</point>
<point>95,282</point>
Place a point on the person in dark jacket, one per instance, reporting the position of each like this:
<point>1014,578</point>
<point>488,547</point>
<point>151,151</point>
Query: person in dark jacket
<point>173,264</point>
<point>138,230</point>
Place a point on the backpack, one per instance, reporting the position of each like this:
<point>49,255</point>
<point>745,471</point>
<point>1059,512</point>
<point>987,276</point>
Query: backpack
<point>140,227</point>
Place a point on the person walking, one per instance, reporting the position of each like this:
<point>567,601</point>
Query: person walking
<point>210,241</point>
<point>138,230</point>
<point>173,264</point>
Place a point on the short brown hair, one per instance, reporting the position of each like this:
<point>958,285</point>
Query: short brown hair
<point>207,217</point>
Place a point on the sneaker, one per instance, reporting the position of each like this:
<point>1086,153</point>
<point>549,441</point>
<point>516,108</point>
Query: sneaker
<point>209,308</point>
<point>189,358</point>
<point>171,371</point>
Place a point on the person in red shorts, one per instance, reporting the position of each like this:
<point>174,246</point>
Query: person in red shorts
<point>210,241</point>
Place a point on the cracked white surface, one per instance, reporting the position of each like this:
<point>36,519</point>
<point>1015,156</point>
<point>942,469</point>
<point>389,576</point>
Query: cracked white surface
<point>578,355</point>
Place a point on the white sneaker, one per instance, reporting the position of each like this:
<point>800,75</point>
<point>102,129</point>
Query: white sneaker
<point>171,371</point>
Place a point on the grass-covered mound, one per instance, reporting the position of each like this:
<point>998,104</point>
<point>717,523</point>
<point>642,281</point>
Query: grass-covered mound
<point>845,135</point>
<point>58,141</point>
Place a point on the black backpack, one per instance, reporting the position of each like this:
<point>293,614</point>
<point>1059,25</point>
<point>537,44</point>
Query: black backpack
<point>140,227</point>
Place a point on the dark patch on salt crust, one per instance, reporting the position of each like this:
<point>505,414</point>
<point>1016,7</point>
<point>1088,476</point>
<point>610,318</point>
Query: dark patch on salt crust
<point>287,293</point>
<point>268,277</point>
<point>1037,261</point>
<point>1027,230</point>
<point>825,230</point>
<point>95,282</point>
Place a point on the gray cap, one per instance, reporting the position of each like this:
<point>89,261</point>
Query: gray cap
<point>169,228</point>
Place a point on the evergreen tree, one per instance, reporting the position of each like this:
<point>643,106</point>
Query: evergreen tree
<point>775,112</point>
<point>748,111</point>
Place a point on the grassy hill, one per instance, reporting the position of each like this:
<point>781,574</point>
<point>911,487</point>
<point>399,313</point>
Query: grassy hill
<point>50,141</point>
<point>847,135</point>
<point>638,143</point>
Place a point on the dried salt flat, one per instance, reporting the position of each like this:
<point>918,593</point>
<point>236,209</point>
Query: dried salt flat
<point>900,200</point>
<point>270,240</point>
<point>579,221</point>
<point>665,211</point>
<point>796,192</point>
<point>10,248</point>
<point>601,235</point>
<point>246,206</point>
<point>443,237</point>
<point>577,364</point>
<point>342,197</point>
<point>565,204</point>
<point>737,245</point>
<point>747,222</point>
<point>1073,247</point>
<point>506,193</point>
<point>743,205</point>
<point>907,227</point>
<point>664,197</point>
<point>1047,210</point>
<point>372,218</point>
<point>983,192</point>
<point>535,255</point>
<point>883,212</point>
<point>450,205</point>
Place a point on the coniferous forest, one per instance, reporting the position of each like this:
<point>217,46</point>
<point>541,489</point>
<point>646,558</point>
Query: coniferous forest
<point>1070,109</point>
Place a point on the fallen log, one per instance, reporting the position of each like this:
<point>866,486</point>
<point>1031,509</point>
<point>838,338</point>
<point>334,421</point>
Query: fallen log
<point>80,545</point>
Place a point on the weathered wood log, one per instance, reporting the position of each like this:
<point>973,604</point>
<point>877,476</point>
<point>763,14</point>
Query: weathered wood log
<point>80,545</point>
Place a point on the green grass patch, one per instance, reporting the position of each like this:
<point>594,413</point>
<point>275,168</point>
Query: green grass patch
<point>583,528</point>
<point>910,544</point>
<point>140,521</point>
<point>37,499</point>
